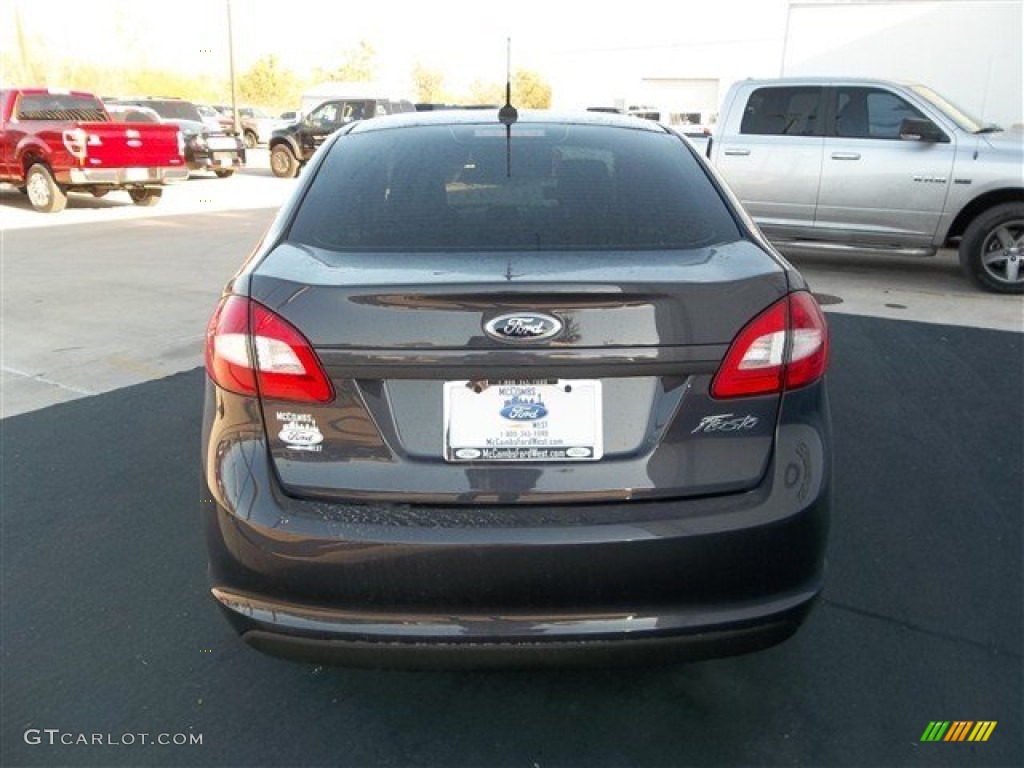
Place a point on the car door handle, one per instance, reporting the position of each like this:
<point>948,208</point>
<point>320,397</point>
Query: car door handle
<point>846,155</point>
<point>737,151</point>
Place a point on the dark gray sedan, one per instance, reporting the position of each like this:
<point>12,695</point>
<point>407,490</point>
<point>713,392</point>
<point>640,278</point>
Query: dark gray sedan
<point>522,391</point>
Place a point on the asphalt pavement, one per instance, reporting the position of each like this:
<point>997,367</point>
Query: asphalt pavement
<point>109,634</point>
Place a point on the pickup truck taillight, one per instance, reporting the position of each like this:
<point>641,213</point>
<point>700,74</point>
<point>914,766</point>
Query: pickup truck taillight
<point>76,140</point>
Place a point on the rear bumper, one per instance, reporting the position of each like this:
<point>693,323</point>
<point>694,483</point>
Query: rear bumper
<point>122,177</point>
<point>406,585</point>
<point>627,649</point>
<point>215,160</point>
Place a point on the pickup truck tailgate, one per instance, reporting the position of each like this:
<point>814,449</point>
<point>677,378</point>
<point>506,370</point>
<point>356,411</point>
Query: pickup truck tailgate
<point>123,145</point>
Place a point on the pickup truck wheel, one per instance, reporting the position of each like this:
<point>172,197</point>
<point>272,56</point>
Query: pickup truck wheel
<point>250,140</point>
<point>44,193</point>
<point>992,249</point>
<point>145,197</point>
<point>283,163</point>
<point>224,173</point>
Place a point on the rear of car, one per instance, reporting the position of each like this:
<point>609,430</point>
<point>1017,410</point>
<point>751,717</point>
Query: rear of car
<point>537,393</point>
<point>205,148</point>
<point>214,120</point>
<point>257,125</point>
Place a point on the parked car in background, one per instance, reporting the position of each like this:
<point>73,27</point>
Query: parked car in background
<point>128,113</point>
<point>257,126</point>
<point>875,166</point>
<point>292,146</point>
<point>215,120</point>
<point>529,391</point>
<point>695,126</point>
<point>355,92</point>
<point>699,135</point>
<point>55,142</point>
<point>205,149</point>
<point>283,120</point>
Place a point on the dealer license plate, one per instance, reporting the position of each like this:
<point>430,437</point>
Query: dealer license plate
<point>550,420</point>
<point>136,174</point>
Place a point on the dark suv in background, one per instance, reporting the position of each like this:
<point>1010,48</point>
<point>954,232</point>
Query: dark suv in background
<point>205,149</point>
<point>291,147</point>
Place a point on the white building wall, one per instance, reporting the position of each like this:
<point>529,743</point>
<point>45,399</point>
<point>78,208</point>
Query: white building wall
<point>967,50</point>
<point>663,41</point>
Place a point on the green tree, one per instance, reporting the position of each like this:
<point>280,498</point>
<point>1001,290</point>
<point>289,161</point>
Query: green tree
<point>267,83</point>
<point>530,90</point>
<point>357,65</point>
<point>429,84</point>
<point>161,82</point>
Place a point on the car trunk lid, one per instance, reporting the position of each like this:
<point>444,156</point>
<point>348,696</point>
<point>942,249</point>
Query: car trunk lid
<point>624,383</point>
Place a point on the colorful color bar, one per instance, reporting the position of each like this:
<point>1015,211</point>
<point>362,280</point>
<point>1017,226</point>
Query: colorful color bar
<point>982,730</point>
<point>958,730</point>
<point>935,731</point>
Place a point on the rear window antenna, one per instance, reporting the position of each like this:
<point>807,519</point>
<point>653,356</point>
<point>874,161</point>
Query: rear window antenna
<point>507,115</point>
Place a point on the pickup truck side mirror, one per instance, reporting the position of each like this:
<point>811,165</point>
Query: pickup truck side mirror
<point>919,129</point>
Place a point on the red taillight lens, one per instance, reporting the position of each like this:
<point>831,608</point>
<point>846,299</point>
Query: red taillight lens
<point>75,140</point>
<point>808,356</point>
<point>786,346</point>
<point>285,366</point>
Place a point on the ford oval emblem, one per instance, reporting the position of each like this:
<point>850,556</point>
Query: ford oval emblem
<point>514,411</point>
<point>523,327</point>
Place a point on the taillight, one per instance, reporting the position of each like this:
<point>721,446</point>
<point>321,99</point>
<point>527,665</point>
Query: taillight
<point>785,347</point>
<point>285,365</point>
<point>75,140</point>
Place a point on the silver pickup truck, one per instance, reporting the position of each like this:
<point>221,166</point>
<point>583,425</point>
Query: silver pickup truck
<point>871,165</point>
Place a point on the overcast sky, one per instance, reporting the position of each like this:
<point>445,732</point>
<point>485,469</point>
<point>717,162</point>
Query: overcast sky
<point>464,38</point>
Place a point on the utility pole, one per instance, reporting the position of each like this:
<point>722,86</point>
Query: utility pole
<point>231,68</point>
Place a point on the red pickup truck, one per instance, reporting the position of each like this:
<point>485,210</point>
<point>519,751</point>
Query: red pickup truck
<point>55,142</point>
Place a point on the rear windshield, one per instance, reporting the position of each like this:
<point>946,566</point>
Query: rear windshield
<point>60,106</point>
<point>550,187</point>
<point>175,110</point>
